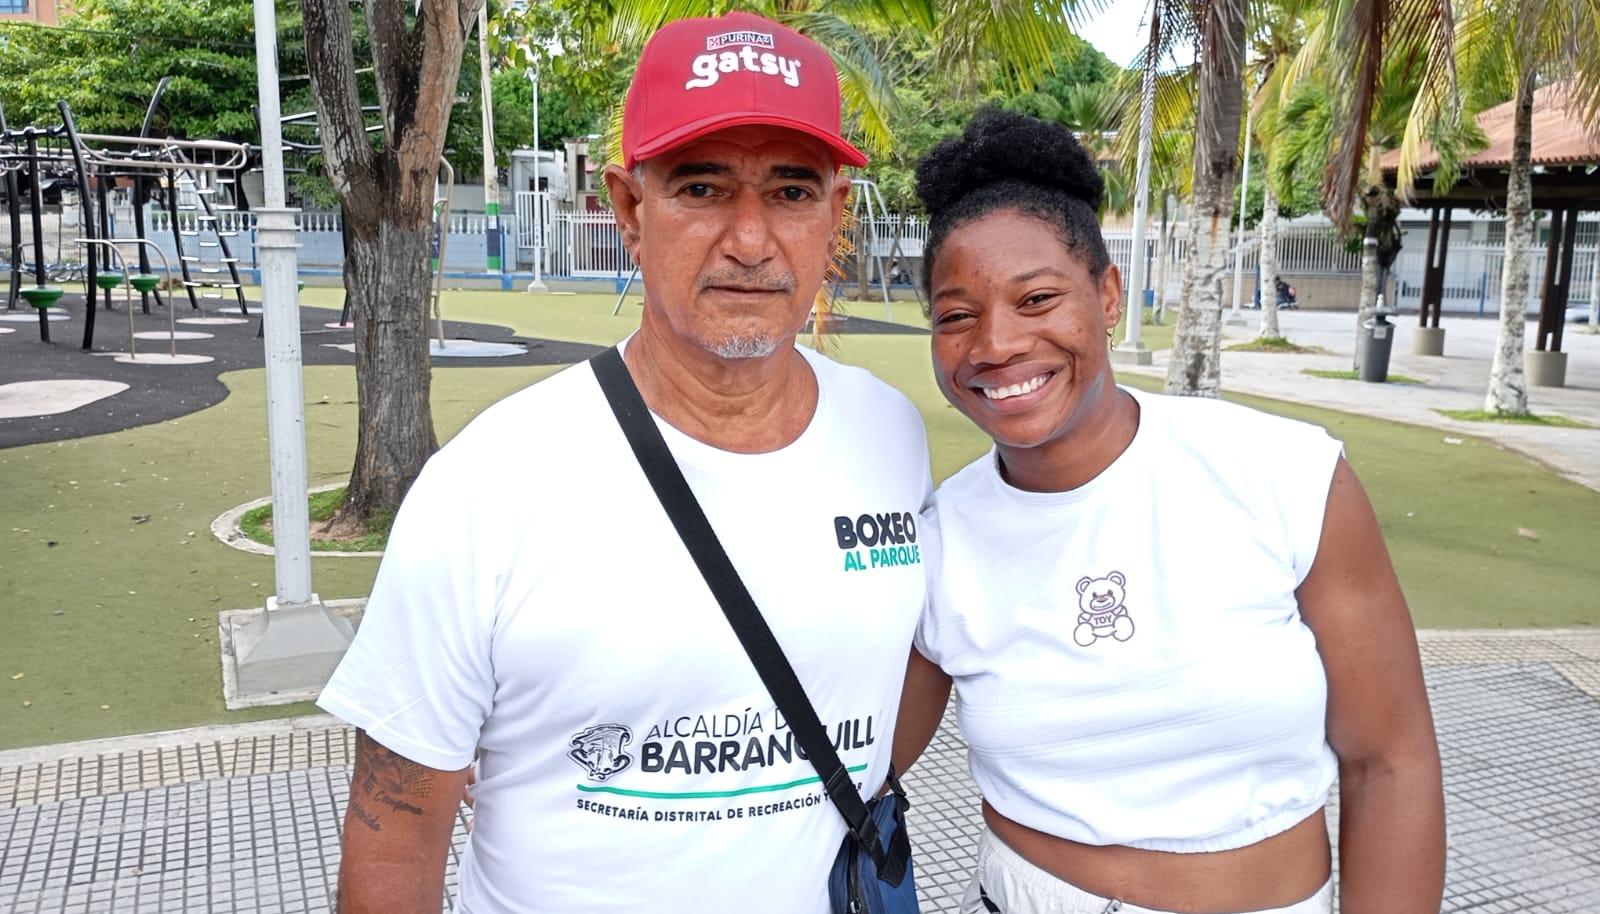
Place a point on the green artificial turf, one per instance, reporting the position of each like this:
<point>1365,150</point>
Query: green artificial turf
<point>1154,336</point>
<point>1480,415</point>
<point>1346,375</point>
<point>103,608</point>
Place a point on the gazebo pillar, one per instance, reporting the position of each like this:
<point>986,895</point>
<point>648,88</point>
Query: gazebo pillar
<point>1546,363</point>
<point>1429,337</point>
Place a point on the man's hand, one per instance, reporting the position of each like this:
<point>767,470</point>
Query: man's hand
<point>396,833</point>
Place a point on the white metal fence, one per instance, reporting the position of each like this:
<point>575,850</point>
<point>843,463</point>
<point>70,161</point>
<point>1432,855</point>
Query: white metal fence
<point>1472,274</point>
<point>583,244</point>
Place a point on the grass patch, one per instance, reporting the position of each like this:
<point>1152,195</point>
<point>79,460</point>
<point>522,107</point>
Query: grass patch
<point>1274,344</point>
<point>257,525</point>
<point>1154,336</point>
<point>1480,415</point>
<point>1348,375</point>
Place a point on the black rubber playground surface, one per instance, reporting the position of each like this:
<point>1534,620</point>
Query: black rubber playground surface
<point>845,323</point>
<point>157,393</point>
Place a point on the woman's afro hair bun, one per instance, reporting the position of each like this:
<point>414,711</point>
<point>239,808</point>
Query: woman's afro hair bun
<point>1004,146</point>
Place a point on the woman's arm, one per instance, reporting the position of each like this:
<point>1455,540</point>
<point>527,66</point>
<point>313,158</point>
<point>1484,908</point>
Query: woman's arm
<point>1391,802</point>
<point>922,702</point>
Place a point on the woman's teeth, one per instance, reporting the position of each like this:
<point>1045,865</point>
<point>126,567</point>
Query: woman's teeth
<point>1015,390</point>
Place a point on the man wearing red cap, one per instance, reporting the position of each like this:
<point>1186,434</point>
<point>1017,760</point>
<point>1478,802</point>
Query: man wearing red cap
<point>536,611</point>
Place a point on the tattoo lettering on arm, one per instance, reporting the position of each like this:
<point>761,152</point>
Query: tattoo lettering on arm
<point>388,780</point>
<point>362,815</point>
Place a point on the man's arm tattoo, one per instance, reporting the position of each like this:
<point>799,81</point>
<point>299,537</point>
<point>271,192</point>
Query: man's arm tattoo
<point>388,780</point>
<point>362,815</point>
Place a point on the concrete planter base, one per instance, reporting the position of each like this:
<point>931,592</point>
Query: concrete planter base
<point>1546,369</point>
<point>1139,355</point>
<point>1427,341</point>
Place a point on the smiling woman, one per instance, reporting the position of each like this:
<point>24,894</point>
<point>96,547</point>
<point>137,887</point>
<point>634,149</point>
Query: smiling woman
<point>1172,622</point>
<point>1017,325</point>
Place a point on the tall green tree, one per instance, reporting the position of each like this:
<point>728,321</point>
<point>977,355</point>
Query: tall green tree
<point>386,189</point>
<point>1017,39</point>
<point>107,56</point>
<point>1278,32</point>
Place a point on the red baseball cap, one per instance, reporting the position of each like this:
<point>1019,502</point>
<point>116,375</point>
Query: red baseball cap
<point>698,76</point>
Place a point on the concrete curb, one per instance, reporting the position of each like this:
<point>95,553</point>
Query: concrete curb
<point>226,528</point>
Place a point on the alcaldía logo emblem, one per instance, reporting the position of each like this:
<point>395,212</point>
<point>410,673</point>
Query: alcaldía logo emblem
<point>598,750</point>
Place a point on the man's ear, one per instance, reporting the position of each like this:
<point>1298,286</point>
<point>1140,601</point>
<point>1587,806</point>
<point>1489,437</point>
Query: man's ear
<point>627,192</point>
<point>839,198</point>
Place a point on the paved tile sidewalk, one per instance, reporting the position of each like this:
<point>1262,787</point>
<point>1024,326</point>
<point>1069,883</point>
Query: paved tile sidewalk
<point>1454,381</point>
<point>247,818</point>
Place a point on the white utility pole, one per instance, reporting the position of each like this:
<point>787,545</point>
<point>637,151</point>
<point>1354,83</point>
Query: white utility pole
<point>293,646</point>
<point>491,182</point>
<point>540,199</point>
<point>1234,317</point>
<point>1132,351</point>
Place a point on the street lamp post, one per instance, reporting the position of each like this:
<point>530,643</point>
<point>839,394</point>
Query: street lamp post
<point>1131,350</point>
<point>539,198</point>
<point>292,647</point>
<point>491,183</point>
<point>1234,317</point>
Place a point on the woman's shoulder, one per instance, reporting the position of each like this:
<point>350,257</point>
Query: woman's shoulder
<point>1216,430</point>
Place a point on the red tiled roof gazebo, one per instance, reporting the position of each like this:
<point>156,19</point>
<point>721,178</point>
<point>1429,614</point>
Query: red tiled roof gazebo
<point>1565,158</point>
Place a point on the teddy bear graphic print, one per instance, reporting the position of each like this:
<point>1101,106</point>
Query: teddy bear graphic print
<point>1102,612</point>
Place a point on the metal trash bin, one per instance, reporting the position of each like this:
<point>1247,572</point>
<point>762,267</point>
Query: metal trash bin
<point>1377,339</point>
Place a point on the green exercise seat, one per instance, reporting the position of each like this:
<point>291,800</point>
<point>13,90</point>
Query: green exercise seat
<point>42,297</point>
<point>144,282</point>
<point>108,281</point>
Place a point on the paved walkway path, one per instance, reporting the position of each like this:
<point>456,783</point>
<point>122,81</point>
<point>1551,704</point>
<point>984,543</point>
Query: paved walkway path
<point>247,818</point>
<point>1456,380</point>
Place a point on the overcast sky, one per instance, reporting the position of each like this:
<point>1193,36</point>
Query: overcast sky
<point>1120,30</point>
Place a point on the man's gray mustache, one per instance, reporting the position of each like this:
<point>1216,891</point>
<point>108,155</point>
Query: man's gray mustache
<point>781,282</point>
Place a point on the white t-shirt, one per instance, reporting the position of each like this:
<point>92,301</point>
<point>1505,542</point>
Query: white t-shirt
<point>1129,655</point>
<point>535,604</point>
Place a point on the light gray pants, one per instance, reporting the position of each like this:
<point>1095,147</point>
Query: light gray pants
<point>1012,885</point>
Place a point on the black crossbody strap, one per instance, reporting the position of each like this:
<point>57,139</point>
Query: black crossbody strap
<point>701,540</point>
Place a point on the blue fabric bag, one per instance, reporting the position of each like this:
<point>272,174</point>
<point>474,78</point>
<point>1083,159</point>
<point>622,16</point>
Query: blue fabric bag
<point>864,883</point>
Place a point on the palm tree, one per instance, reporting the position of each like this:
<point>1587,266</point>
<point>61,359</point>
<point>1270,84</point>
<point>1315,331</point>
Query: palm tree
<point>1382,75</point>
<point>1020,37</point>
<point>1309,132</point>
<point>1278,34</point>
<point>1171,161</point>
<point>1093,111</point>
<point>1155,129</point>
<point>1518,42</point>
<point>1194,367</point>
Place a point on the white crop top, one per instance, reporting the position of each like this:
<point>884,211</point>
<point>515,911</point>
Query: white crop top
<point>1129,657</point>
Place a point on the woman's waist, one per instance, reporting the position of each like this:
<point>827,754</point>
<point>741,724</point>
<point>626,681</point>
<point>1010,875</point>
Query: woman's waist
<point>1276,871</point>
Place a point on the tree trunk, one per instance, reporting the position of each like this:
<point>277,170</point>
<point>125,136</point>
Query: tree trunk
<point>1369,291</point>
<point>387,196</point>
<point>1194,367</point>
<point>1269,264</point>
<point>1163,254</point>
<point>1508,390</point>
<point>388,278</point>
